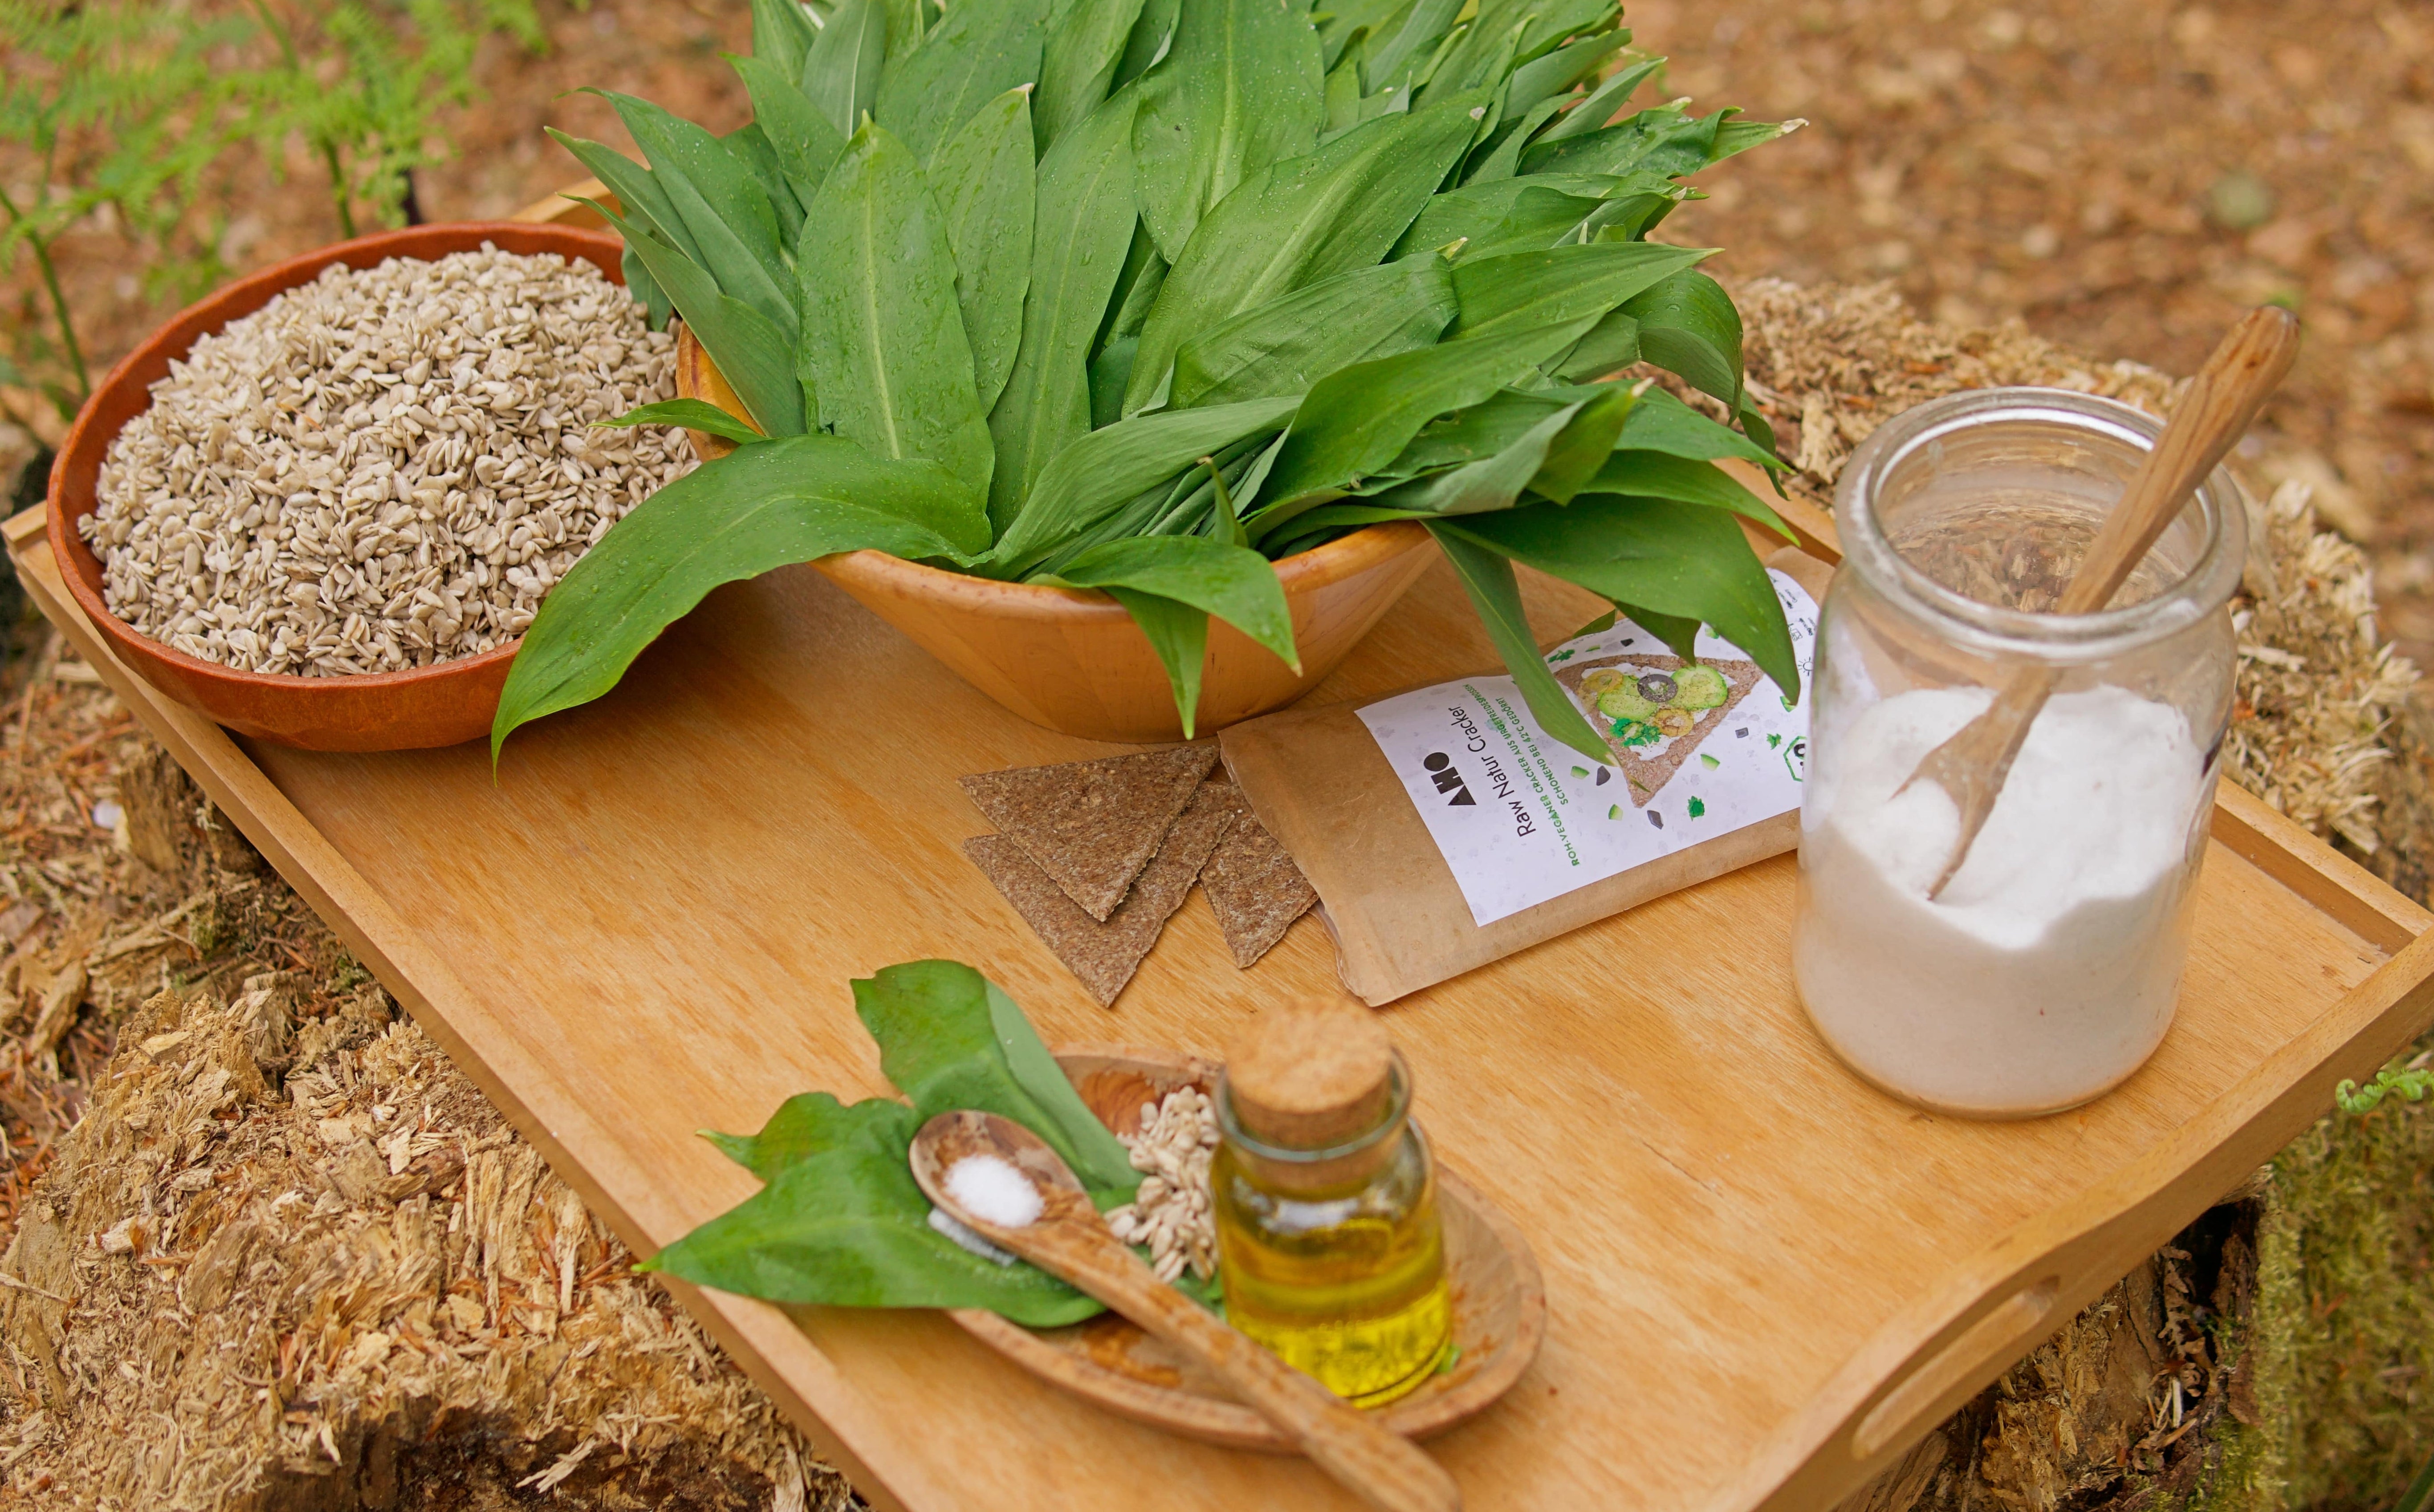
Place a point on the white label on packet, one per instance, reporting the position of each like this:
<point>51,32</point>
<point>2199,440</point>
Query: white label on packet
<point>1697,751</point>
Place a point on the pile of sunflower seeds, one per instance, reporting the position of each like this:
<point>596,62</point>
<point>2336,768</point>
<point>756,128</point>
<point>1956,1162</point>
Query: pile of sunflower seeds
<point>384,468</point>
<point>1171,1213</point>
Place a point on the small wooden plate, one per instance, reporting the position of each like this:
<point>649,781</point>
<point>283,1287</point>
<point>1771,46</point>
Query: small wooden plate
<point>1499,1306</point>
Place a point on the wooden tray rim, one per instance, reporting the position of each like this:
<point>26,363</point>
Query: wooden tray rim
<point>1918,1366</point>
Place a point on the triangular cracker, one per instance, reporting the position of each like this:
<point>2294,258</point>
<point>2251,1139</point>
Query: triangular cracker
<point>1105,954</point>
<point>1647,768</point>
<point>1092,826</point>
<point>1254,889</point>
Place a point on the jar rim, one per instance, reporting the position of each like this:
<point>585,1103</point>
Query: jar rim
<point>1398,1109</point>
<point>2204,589</point>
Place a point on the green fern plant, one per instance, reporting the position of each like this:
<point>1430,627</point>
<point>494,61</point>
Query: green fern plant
<point>131,110</point>
<point>1142,295</point>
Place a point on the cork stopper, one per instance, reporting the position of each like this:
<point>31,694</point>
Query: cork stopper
<point>1311,1074</point>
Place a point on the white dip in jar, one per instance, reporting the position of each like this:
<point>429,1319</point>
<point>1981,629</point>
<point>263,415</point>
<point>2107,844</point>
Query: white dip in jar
<point>2049,967</point>
<point>2047,971</point>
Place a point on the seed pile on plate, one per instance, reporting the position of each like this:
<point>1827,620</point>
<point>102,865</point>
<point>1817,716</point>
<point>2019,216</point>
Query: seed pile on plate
<point>1097,855</point>
<point>1173,1212</point>
<point>384,468</point>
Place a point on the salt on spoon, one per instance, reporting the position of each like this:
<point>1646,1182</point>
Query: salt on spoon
<point>990,1188</point>
<point>969,1163</point>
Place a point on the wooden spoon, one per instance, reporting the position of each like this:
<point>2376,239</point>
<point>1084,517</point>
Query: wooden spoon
<point>2214,413</point>
<point>1071,1241</point>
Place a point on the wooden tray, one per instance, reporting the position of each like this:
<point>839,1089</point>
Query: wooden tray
<point>1499,1305</point>
<point>1768,1281</point>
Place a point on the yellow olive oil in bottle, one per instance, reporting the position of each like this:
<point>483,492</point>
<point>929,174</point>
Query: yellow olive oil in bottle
<point>1328,1240</point>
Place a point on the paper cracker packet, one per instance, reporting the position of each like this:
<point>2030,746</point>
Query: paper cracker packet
<point>1443,829</point>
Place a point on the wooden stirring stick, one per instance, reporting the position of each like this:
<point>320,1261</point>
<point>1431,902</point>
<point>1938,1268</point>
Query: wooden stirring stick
<point>2215,412</point>
<point>1071,1241</point>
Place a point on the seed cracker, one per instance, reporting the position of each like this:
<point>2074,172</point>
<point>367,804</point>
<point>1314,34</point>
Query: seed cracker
<point>1254,889</point>
<point>1105,954</point>
<point>1092,826</point>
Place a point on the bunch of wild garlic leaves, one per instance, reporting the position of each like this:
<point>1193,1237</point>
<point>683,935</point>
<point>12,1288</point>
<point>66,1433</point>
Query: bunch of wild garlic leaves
<point>1141,295</point>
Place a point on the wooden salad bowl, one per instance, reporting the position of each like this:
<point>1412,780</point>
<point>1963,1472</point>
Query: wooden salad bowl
<point>1499,1305</point>
<point>440,705</point>
<point>1072,659</point>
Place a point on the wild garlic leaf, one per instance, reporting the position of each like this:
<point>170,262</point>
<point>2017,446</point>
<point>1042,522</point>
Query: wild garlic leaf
<point>1082,226</point>
<point>1178,633</point>
<point>1356,419</point>
<point>1152,35</point>
<point>942,1042</point>
<point>1582,447</point>
<point>1034,1070</point>
<point>645,289</point>
<point>1539,219</point>
<point>1397,52</point>
<point>1235,583</point>
<point>1661,139</point>
<point>841,68</point>
<point>1284,346</point>
<point>693,414</point>
<point>1501,154</point>
<point>1340,94</point>
<point>1736,137</point>
<point>1608,347</point>
<point>807,144</point>
<point>979,52</point>
<point>1474,211</point>
<point>1098,473</point>
<point>1522,291</point>
<point>723,209</point>
<point>882,323</point>
<point>1548,77</point>
<point>1594,113</point>
<point>1342,18</point>
<point>1300,221</point>
<point>1677,558</point>
<point>1655,475</point>
<point>910,22</point>
<point>988,187</point>
<point>1137,288</point>
<point>1660,423</point>
<point>1243,87</point>
<point>842,1221</point>
<point>850,1228</point>
<point>762,507</point>
<point>638,192</point>
<point>750,147</point>
<point>1469,434</point>
<point>1688,325</point>
<point>1086,42</point>
<point>812,1123</point>
<point>1554,457</point>
<point>781,35</point>
<point>753,353</point>
<point>1488,579</point>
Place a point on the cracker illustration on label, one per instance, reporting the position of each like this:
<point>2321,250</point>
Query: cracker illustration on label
<point>1655,710</point>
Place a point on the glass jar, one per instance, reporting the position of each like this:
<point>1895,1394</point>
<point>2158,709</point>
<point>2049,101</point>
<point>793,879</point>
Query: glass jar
<point>1334,1258</point>
<point>2047,969</point>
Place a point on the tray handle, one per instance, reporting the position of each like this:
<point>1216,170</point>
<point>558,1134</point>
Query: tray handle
<point>1935,1385</point>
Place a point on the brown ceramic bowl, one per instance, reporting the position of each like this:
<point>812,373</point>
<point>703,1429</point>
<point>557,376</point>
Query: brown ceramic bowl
<point>1072,659</point>
<point>438,705</point>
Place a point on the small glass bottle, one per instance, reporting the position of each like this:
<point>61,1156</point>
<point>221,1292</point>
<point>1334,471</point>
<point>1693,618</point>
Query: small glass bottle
<point>1328,1242</point>
<point>2047,969</point>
